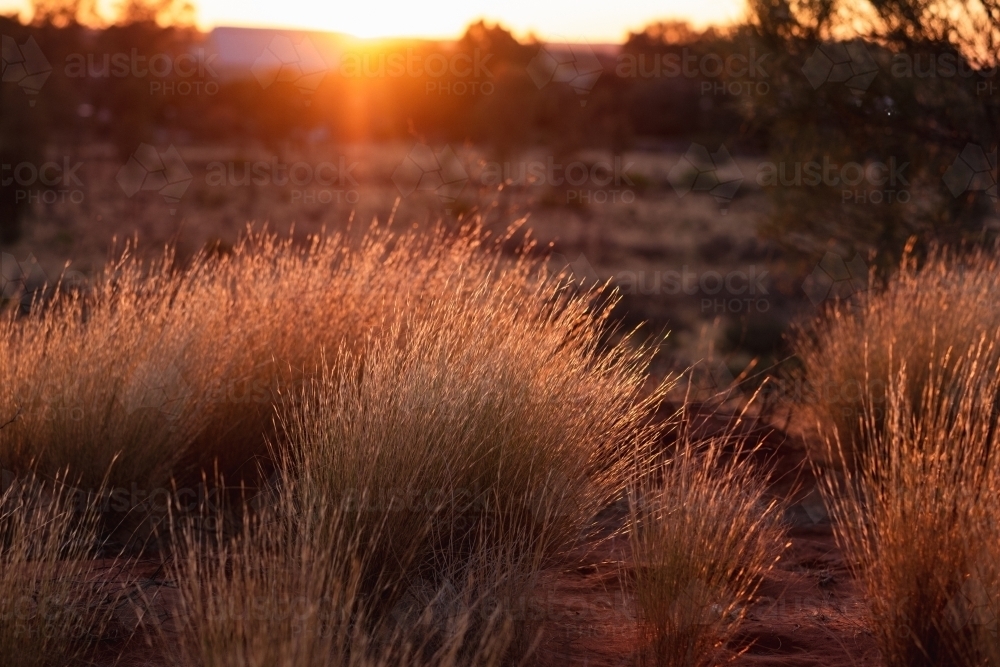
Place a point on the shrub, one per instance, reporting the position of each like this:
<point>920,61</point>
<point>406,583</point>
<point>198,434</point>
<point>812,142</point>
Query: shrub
<point>922,318</point>
<point>703,533</point>
<point>918,518</point>
<point>427,471</point>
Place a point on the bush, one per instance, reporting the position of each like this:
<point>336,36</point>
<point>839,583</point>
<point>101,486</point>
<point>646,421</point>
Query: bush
<point>426,473</point>
<point>703,533</point>
<point>917,516</point>
<point>922,319</point>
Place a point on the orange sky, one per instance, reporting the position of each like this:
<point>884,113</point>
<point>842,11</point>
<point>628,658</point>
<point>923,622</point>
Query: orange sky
<point>560,20</point>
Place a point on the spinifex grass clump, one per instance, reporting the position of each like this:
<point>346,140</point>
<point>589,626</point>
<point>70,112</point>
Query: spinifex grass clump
<point>159,372</point>
<point>918,515</point>
<point>54,609</point>
<point>851,354</point>
<point>906,390</point>
<point>290,590</point>
<point>431,467</point>
<point>702,533</point>
<point>501,430</point>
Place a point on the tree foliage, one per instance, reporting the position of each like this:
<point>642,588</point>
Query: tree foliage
<point>935,93</point>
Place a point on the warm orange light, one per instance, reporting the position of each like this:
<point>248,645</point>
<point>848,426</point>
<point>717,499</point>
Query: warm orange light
<point>572,20</point>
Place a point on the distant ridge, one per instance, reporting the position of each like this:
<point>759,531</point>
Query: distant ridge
<point>238,48</point>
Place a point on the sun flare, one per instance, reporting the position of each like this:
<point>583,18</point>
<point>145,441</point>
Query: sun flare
<point>446,19</point>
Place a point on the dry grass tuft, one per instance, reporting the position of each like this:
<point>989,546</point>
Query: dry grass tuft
<point>54,608</point>
<point>852,354</point>
<point>919,516</point>
<point>912,474</point>
<point>160,372</point>
<point>290,591</point>
<point>703,533</point>
<point>427,471</point>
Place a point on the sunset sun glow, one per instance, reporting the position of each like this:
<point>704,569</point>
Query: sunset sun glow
<point>556,20</point>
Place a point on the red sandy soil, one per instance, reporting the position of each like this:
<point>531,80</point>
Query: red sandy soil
<point>807,612</point>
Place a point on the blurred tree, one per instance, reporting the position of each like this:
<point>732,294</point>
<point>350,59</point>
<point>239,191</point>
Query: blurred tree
<point>496,41</point>
<point>501,116</point>
<point>674,89</point>
<point>63,13</point>
<point>174,13</point>
<point>909,81</point>
<point>78,101</point>
<point>21,135</point>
